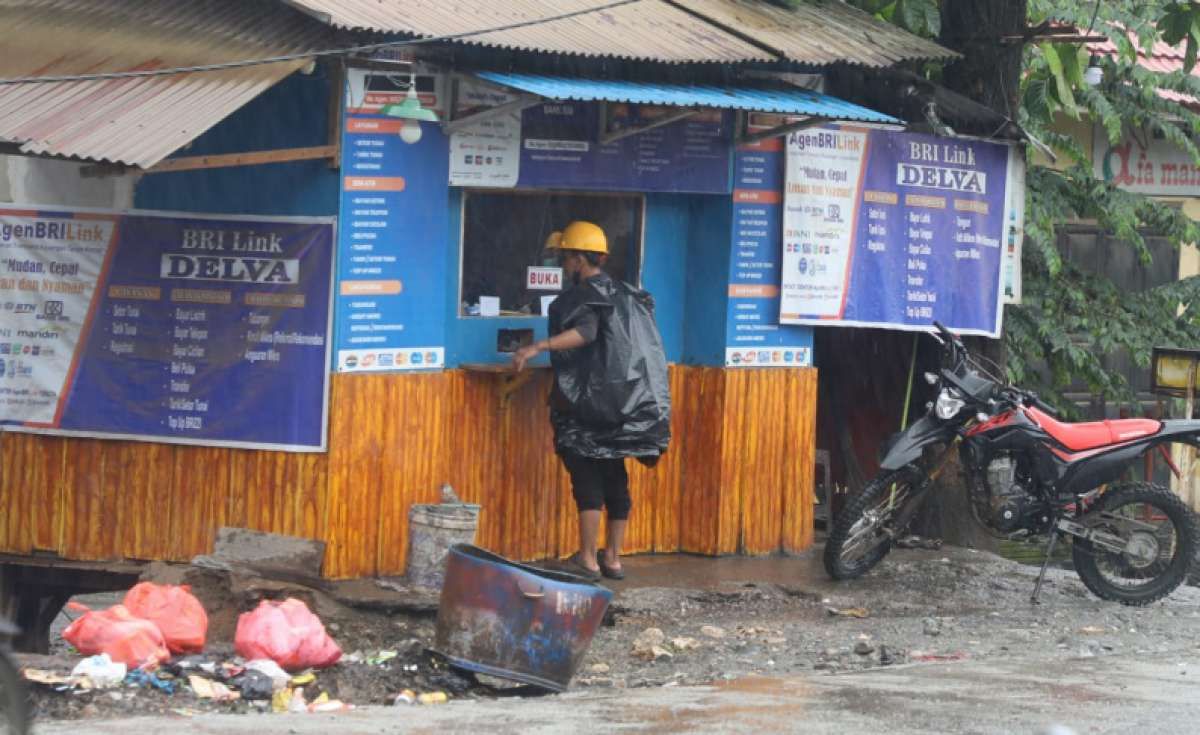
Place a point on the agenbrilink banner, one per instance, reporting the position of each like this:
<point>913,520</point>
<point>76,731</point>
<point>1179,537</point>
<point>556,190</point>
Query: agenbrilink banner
<point>180,328</point>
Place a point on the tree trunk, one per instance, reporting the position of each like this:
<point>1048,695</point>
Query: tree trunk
<point>990,70</point>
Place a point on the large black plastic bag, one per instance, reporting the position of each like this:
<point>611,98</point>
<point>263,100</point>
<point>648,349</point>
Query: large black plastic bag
<point>612,397</point>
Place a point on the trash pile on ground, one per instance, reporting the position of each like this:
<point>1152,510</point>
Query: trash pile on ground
<point>149,653</point>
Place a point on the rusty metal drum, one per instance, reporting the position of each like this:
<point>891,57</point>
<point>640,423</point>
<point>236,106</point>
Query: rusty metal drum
<point>513,621</point>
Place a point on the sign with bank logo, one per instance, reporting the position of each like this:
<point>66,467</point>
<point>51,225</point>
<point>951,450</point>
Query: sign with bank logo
<point>896,230</point>
<point>177,328</point>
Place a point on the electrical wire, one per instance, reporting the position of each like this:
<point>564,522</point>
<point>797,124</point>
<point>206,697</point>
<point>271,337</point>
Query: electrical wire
<point>344,51</point>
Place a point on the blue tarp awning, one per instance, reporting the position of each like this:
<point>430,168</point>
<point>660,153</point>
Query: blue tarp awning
<point>777,99</point>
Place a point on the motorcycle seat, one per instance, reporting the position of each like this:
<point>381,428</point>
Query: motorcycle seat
<point>1093,434</point>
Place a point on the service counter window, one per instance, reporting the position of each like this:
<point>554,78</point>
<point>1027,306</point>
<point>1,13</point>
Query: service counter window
<point>504,235</point>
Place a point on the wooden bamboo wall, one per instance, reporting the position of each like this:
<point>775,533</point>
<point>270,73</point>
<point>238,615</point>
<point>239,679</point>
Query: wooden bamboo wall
<point>737,479</point>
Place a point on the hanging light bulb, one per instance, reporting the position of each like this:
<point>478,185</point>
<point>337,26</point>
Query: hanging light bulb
<point>410,131</point>
<point>1094,74</point>
<point>411,112</point>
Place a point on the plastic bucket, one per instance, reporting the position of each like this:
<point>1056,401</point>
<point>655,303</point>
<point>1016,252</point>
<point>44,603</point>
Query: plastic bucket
<point>432,530</point>
<point>517,622</point>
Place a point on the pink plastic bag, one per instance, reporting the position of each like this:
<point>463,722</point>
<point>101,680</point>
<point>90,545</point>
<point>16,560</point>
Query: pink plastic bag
<point>126,639</point>
<point>176,612</point>
<point>288,634</point>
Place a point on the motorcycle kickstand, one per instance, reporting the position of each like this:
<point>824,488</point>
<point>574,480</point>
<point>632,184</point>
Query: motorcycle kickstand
<point>1037,588</point>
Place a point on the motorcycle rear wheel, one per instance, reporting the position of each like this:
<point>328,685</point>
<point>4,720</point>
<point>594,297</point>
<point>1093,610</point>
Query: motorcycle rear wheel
<point>1162,536</point>
<point>861,534</point>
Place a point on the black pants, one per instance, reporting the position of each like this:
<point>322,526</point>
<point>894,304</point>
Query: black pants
<point>599,483</point>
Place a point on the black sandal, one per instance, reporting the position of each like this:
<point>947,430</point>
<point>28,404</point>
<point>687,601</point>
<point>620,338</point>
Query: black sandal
<point>576,566</point>
<point>606,570</point>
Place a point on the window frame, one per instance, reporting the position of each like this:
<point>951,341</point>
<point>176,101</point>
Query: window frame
<point>468,192</point>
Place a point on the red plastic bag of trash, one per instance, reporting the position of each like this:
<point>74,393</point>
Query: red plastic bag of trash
<point>176,612</point>
<point>288,633</point>
<point>126,639</point>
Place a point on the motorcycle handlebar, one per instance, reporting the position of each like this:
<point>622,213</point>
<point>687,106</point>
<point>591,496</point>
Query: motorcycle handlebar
<point>1027,398</point>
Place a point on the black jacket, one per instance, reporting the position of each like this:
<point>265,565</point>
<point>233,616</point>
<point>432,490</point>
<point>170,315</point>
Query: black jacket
<point>611,397</point>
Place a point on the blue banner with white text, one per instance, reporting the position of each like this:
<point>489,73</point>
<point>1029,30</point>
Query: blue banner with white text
<point>185,329</point>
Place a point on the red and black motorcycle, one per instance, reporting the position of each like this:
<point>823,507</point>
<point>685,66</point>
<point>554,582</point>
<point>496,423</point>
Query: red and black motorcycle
<point>1029,474</point>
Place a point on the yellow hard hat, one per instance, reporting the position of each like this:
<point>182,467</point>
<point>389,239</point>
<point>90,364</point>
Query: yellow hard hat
<point>579,235</point>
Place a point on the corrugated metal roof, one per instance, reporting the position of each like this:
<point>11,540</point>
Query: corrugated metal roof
<point>821,33</point>
<point>788,101</point>
<point>137,121</point>
<point>649,30</point>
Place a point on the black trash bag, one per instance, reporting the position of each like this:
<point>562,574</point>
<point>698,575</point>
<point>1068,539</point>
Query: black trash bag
<point>254,685</point>
<point>612,397</point>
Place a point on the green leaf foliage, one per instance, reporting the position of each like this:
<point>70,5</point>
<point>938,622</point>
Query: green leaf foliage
<point>1070,320</point>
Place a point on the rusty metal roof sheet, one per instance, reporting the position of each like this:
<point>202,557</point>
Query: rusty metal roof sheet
<point>821,33</point>
<point>137,121</point>
<point>650,30</point>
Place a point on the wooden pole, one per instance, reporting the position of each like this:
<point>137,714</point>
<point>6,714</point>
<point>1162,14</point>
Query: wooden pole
<point>1188,491</point>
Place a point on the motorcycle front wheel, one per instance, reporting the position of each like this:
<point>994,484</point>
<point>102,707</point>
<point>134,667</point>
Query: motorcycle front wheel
<point>1160,536</point>
<point>862,533</point>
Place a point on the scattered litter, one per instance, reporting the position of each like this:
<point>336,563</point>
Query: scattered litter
<point>48,678</point>
<point>433,698</point>
<point>184,665</point>
<point>117,632</point>
<point>279,678</point>
<point>1092,630</point>
<point>176,612</point>
<point>407,696</point>
<point>214,690</point>
<point>599,668</point>
<point>304,679</point>
<point>288,633</point>
<point>712,631</point>
<point>154,680</point>
<point>296,703</point>
<point>101,671</point>
<point>281,700</point>
<point>254,685</point>
<point>381,658</point>
<point>848,612</point>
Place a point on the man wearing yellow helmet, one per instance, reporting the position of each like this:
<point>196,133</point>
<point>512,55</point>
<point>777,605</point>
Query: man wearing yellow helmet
<point>610,398</point>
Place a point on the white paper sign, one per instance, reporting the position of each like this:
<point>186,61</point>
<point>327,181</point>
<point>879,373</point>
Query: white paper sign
<point>543,278</point>
<point>489,306</point>
<point>546,301</point>
<point>487,153</point>
<point>818,223</point>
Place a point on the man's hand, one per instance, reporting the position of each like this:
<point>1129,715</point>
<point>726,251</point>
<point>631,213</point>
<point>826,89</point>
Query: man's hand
<point>524,355</point>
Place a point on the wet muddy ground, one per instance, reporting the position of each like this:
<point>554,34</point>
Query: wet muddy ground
<point>680,620</point>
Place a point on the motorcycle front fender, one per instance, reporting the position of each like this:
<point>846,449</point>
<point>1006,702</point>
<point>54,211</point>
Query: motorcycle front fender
<point>907,446</point>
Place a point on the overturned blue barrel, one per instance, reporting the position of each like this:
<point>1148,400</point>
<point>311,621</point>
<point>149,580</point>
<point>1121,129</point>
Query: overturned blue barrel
<point>516,622</point>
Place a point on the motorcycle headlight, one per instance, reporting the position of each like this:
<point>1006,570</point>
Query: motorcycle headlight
<point>948,404</point>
